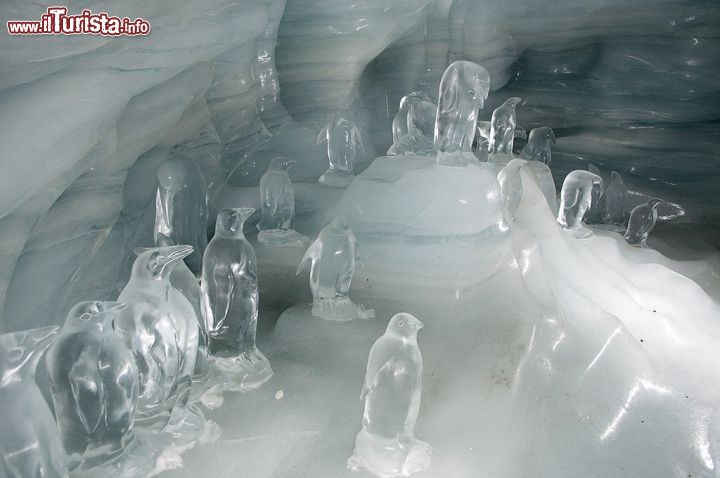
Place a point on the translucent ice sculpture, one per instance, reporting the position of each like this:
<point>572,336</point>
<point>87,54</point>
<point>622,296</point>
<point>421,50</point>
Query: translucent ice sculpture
<point>94,383</point>
<point>642,220</point>
<point>230,303</point>
<point>413,125</point>
<point>463,89</point>
<point>511,186</point>
<point>538,145</point>
<point>182,279</point>
<point>332,258</point>
<point>615,196</point>
<point>160,329</point>
<point>29,441</point>
<point>575,200</point>
<point>277,197</point>
<point>386,445</point>
<point>502,127</point>
<point>344,141</point>
<point>181,210</point>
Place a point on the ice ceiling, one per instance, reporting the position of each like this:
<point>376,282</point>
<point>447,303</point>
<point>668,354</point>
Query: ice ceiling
<point>543,356</point>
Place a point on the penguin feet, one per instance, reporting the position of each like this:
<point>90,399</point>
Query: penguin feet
<point>340,309</point>
<point>245,372</point>
<point>387,457</point>
<point>336,179</point>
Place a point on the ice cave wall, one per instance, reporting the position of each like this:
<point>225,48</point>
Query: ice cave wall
<point>631,86</point>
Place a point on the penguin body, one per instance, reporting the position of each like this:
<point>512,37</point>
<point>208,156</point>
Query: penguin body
<point>511,186</point>
<point>393,381</point>
<point>160,329</point>
<point>615,197</point>
<point>94,384</point>
<point>277,196</point>
<point>30,444</point>
<point>181,210</point>
<point>576,197</point>
<point>502,127</point>
<point>538,145</point>
<point>344,141</point>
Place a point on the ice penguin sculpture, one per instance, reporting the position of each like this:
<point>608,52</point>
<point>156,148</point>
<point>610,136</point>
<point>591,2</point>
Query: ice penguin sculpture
<point>277,197</point>
<point>511,186</point>
<point>160,329</point>
<point>502,127</point>
<point>538,145</point>
<point>94,383</point>
<point>386,445</point>
<point>413,126</point>
<point>642,220</point>
<point>332,258</point>
<point>230,303</point>
<point>30,444</point>
<point>344,141</point>
<point>181,211</point>
<point>463,89</point>
<point>575,200</point>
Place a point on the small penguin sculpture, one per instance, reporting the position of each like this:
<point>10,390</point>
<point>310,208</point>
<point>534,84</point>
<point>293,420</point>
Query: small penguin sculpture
<point>160,329</point>
<point>615,197</point>
<point>642,220</point>
<point>344,142</point>
<point>575,199</point>
<point>30,444</point>
<point>94,383</point>
<point>511,186</point>
<point>386,445</point>
<point>538,145</point>
<point>502,127</point>
<point>463,89</point>
<point>332,258</point>
<point>181,210</point>
<point>413,125</point>
<point>229,288</point>
<point>277,197</point>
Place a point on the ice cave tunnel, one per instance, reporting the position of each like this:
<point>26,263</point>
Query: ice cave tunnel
<point>360,238</point>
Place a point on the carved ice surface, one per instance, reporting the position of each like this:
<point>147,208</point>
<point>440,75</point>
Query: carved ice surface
<point>413,125</point>
<point>386,445</point>
<point>95,384</point>
<point>230,303</point>
<point>30,445</point>
<point>511,186</point>
<point>502,127</point>
<point>538,145</point>
<point>160,329</point>
<point>463,89</point>
<point>642,221</point>
<point>181,210</point>
<point>333,256</point>
<point>613,211</point>
<point>576,198</point>
<point>344,141</point>
<point>277,197</point>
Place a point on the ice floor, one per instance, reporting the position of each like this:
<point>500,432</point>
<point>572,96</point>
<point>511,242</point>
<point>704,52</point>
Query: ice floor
<point>543,354</point>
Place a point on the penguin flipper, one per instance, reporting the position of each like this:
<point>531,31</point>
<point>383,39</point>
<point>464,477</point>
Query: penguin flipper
<point>322,136</point>
<point>310,255</point>
<point>87,390</point>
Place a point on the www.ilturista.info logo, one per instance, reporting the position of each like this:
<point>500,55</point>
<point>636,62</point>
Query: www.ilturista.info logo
<point>57,22</point>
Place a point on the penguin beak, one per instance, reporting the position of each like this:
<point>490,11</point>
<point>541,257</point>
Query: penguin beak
<point>116,307</point>
<point>178,252</point>
<point>419,325</point>
<point>290,164</point>
<point>551,135</point>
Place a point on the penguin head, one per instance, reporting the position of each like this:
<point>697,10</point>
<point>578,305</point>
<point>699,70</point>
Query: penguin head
<point>171,175</point>
<point>282,164</point>
<point>463,80</point>
<point>340,224</point>
<point>513,101</point>
<point>655,202</point>
<point>404,325</point>
<point>157,263</point>
<point>615,177</point>
<point>20,353</point>
<point>544,134</point>
<point>101,313</point>
<point>230,220</point>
